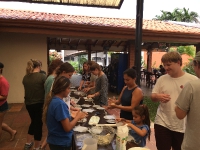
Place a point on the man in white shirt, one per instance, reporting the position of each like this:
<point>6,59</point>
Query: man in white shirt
<point>188,104</point>
<point>169,130</point>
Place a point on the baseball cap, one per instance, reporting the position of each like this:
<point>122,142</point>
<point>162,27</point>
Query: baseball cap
<point>1,65</point>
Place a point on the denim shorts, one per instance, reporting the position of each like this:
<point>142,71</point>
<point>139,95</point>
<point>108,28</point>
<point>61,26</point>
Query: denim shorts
<point>4,107</point>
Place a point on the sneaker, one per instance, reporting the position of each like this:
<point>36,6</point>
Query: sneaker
<point>28,146</point>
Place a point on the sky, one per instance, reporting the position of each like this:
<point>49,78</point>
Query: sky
<point>128,9</point>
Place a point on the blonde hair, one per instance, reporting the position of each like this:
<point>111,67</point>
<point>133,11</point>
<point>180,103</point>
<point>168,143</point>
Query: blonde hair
<point>172,56</point>
<point>31,65</point>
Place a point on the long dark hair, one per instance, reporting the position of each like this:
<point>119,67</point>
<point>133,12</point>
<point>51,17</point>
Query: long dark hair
<point>61,84</point>
<point>54,64</point>
<point>142,110</point>
<point>66,67</point>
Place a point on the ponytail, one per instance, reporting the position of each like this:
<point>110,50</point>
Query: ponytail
<point>48,100</point>
<point>31,65</point>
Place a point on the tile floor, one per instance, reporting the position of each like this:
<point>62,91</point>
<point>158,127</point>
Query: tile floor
<point>17,118</point>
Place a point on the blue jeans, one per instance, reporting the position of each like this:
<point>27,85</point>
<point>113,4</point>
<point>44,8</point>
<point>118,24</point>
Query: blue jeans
<point>57,147</point>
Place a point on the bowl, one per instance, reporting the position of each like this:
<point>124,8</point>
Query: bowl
<point>104,137</point>
<point>80,93</point>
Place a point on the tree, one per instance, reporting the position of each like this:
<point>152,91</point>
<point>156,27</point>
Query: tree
<point>181,15</point>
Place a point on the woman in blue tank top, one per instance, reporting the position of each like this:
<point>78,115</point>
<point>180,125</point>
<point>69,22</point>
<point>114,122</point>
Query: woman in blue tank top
<point>130,96</point>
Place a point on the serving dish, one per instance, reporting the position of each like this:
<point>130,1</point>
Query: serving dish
<point>103,135</point>
<point>80,93</point>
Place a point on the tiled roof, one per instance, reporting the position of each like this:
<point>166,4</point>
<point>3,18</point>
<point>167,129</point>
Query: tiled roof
<point>151,25</point>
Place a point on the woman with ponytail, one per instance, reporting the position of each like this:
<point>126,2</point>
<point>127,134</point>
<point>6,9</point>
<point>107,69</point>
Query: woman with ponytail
<point>33,83</point>
<point>57,116</point>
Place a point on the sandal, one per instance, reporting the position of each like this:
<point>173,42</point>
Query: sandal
<point>28,146</point>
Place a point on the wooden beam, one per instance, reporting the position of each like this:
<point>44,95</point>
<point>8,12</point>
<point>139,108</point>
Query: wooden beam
<point>104,42</point>
<point>95,43</point>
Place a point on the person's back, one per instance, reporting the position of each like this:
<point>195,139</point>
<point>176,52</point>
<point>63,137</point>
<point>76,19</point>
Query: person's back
<point>192,132</point>
<point>187,104</point>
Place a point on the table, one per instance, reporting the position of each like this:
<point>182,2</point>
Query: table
<point>77,144</point>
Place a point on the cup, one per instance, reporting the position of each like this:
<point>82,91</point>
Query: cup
<point>89,144</point>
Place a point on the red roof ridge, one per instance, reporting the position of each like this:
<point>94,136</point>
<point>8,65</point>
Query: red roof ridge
<point>152,25</point>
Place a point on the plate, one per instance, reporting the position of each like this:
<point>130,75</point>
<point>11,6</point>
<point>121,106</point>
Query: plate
<point>138,148</point>
<point>80,129</point>
<point>85,105</point>
<point>110,121</point>
<point>96,106</point>
<point>109,117</point>
<point>88,110</point>
<point>100,108</point>
<point>89,99</point>
<point>94,120</point>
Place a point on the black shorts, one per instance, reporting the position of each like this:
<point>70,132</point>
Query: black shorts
<point>4,107</point>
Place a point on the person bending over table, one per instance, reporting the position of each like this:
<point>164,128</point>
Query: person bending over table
<point>101,85</point>
<point>130,96</point>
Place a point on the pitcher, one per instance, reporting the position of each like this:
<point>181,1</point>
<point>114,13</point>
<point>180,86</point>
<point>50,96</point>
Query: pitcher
<point>89,144</point>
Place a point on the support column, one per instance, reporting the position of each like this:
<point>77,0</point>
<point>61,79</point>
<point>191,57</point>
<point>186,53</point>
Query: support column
<point>89,52</point>
<point>138,38</point>
<point>149,60</point>
<point>131,54</point>
<point>197,47</point>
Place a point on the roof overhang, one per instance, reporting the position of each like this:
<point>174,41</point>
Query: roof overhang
<point>88,3</point>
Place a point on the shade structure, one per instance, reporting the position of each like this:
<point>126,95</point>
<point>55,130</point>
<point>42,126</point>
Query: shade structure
<point>90,3</point>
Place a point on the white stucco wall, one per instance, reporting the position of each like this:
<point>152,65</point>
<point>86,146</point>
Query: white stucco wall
<point>15,50</point>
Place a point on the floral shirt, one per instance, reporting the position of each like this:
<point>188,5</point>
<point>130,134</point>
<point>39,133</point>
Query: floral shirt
<point>86,76</point>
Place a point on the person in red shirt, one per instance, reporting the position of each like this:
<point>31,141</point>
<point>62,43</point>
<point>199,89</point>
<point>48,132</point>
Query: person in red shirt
<point>4,88</point>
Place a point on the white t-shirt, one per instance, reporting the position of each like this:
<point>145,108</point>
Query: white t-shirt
<point>67,101</point>
<point>166,115</point>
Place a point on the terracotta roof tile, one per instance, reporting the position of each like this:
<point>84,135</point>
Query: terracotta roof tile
<point>151,25</point>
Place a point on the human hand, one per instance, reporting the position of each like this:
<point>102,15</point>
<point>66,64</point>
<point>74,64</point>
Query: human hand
<point>86,90</point>
<point>81,115</point>
<point>164,98</point>
<point>90,96</point>
<point>79,88</point>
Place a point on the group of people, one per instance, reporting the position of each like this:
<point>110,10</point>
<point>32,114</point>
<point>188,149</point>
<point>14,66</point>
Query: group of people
<point>47,100</point>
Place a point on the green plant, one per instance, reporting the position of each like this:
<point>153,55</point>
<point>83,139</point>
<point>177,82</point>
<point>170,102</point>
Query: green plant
<point>188,68</point>
<point>153,106</point>
<point>54,55</point>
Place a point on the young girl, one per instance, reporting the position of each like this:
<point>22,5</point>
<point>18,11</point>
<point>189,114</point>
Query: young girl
<point>140,125</point>
<point>57,117</point>
<point>86,75</point>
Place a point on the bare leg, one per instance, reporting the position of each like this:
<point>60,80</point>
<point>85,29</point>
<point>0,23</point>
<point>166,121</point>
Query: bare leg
<point>29,138</point>
<point>44,144</point>
<point>37,144</point>
<point>2,114</point>
<point>12,132</point>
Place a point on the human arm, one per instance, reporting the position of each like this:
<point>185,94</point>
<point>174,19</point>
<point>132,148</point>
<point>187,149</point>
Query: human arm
<point>137,96</point>
<point>81,84</point>
<point>2,97</point>
<point>158,97</point>
<point>69,125</point>
<point>141,132</point>
<point>103,87</point>
<point>157,94</point>
<point>4,91</point>
<point>180,113</point>
<point>184,101</point>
